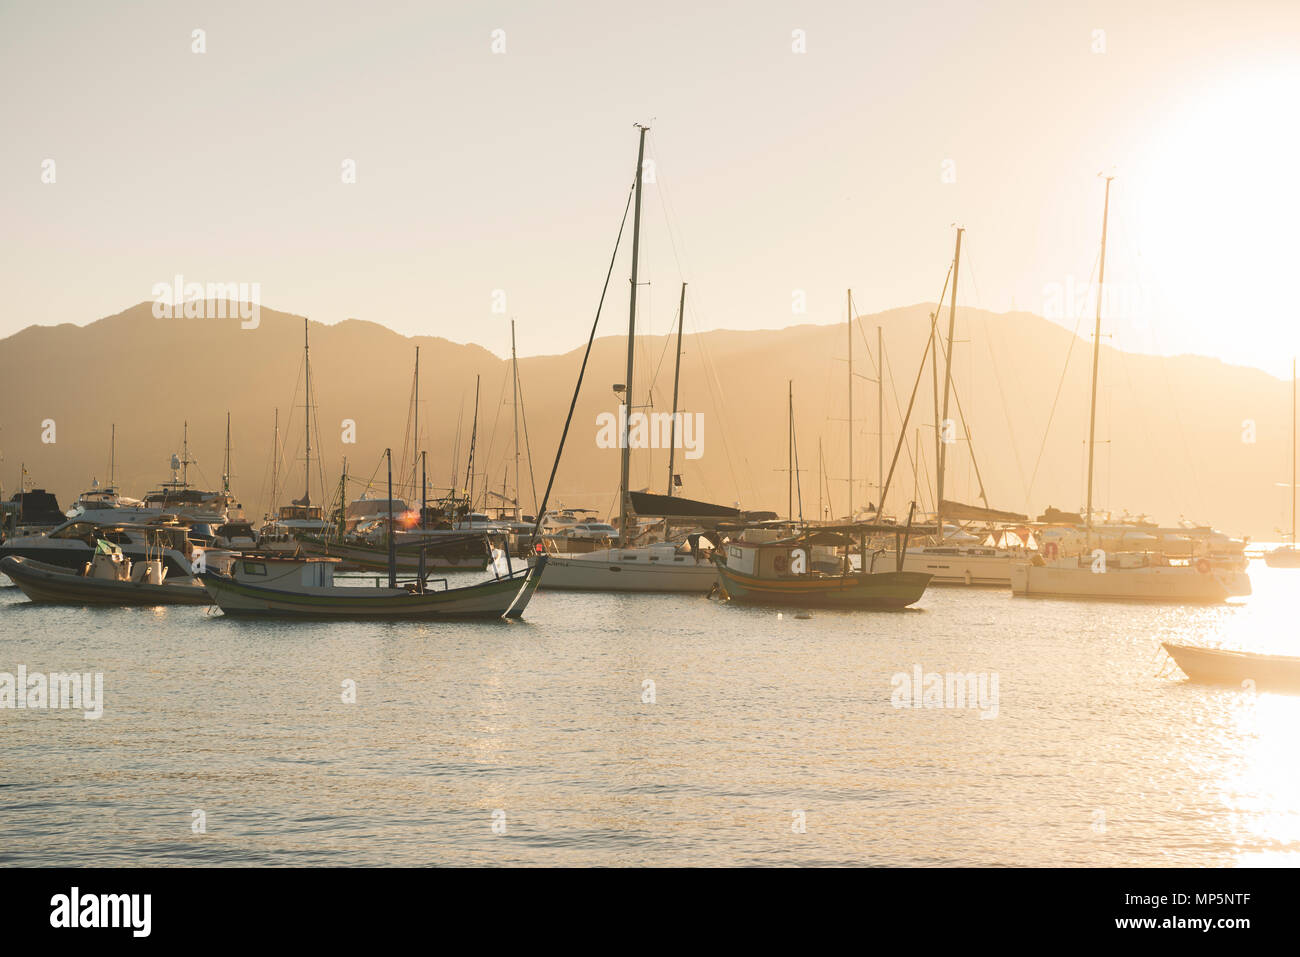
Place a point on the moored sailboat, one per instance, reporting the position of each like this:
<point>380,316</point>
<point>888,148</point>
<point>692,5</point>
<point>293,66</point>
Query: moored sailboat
<point>1097,574</point>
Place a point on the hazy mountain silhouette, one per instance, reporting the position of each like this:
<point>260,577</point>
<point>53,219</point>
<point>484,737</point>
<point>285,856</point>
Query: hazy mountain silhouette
<point>1171,429</point>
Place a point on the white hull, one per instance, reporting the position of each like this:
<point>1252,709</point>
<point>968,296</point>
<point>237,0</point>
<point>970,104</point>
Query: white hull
<point>962,568</point>
<point>630,569</point>
<point>1172,583</point>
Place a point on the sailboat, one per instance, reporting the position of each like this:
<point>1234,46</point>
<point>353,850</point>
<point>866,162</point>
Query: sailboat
<point>949,559</point>
<point>1288,556</point>
<point>663,567</point>
<point>1121,575</point>
<point>301,517</point>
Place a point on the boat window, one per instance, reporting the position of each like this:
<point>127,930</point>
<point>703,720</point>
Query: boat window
<point>254,568</point>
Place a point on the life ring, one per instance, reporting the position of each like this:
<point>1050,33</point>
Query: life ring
<point>539,548</point>
<point>1202,566</point>
<point>780,564</point>
<point>1051,550</point>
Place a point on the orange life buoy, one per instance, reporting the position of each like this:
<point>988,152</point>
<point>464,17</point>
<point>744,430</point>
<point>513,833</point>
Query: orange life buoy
<point>780,564</point>
<point>1202,566</point>
<point>1050,550</point>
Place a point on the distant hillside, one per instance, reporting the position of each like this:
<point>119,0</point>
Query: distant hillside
<point>1170,430</point>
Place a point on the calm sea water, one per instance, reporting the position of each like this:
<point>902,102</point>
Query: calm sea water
<point>541,726</point>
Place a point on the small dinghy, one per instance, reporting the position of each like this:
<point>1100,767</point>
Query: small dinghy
<point>107,579</point>
<point>1219,667</point>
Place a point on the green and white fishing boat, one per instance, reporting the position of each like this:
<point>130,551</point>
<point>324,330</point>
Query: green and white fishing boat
<point>276,585</point>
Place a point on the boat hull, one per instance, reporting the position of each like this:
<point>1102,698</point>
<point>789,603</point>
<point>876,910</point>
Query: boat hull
<point>501,598</point>
<point>873,590</point>
<point>959,569</point>
<point>53,583</point>
<point>1283,558</point>
<point>638,575</point>
<point>1215,666</point>
<point>1173,583</point>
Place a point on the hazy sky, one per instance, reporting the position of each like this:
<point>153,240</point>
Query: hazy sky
<point>776,170</point>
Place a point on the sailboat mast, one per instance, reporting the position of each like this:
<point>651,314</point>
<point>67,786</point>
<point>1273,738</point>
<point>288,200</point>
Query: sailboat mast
<point>1293,451</point>
<point>112,454</point>
<point>1096,353</point>
<point>392,549</point>
<point>185,455</point>
<point>225,471</point>
<point>880,421</point>
<point>947,388</point>
<point>849,298</point>
<point>473,441</point>
<point>306,398</point>
<point>415,440</point>
<point>625,466</point>
<point>677,376</point>
<point>514,395</point>
<point>275,464</point>
<point>789,452</point>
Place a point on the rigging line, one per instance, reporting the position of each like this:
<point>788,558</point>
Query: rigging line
<point>528,445</point>
<point>997,376</point>
<point>902,431</point>
<point>670,219</point>
<point>1196,493</point>
<point>1047,430</point>
<point>710,375</point>
<point>550,484</point>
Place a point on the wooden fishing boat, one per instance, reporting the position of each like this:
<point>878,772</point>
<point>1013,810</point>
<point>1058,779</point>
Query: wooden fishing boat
<point>276,585</point>
<point>1220,667</point>
<point>100,584</point>
<point>782,572</point>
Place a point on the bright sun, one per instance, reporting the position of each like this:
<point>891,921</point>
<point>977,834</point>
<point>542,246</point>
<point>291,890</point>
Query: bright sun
<point>1214,201</point>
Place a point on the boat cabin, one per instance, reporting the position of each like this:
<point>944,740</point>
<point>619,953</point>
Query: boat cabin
<point>284,572</point>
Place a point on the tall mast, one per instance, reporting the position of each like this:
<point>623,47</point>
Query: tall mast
<point>849,297</point>
<point>112,456</point>
<point>473,440</point>
<point>947,388</point>
<point>625,468</point>
<point>424,484</point>
<point>514,394</point>
<point>1293,451</point>
<point>275,465</point>
<point>415,440</point>
<point>789,453</point>
<point>880,420</point>
<point>1096,353</point>
<point>306,367</point>
<point>225,471</point>
<point>677,375</point>
<point>185,455</point>
<point>392,552</point>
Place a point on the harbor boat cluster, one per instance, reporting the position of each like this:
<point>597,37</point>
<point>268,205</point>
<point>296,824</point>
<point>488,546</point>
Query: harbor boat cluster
<point>385,553</point>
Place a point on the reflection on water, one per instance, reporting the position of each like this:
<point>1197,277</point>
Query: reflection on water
<point>1091,760</point>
